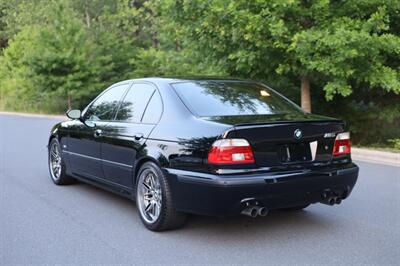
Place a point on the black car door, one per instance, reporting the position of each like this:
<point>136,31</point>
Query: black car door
<point>126,135</point>
<point>84,142</point>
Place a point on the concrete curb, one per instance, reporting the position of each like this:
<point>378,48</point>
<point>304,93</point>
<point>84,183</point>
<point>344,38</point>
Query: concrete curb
<point>62,117</point>
<point>382,157</point>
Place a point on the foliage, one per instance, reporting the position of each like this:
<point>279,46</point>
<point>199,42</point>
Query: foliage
<point>40,61</point>
<point>396,143</point>
<point>339,46</point>
<point>373,117</point>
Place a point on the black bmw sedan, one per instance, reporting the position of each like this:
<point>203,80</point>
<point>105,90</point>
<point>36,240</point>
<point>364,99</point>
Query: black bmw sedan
<point>205,146</point>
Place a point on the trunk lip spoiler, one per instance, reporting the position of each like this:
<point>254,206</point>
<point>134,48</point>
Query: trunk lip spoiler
<point>276,123</point>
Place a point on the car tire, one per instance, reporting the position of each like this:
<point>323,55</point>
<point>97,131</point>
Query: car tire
<point>154,200</point>
<point>296,208</point>
<point>56,163</point>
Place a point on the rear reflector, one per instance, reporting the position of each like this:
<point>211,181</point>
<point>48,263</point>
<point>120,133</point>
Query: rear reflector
<point>342,144</point>
<point>230,151</point>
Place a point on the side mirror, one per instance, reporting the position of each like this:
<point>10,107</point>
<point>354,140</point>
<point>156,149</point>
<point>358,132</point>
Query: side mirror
<point>74,114</point>
<point>77,114</point>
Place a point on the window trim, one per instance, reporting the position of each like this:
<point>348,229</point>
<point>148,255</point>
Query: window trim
<point>145,108</point>
<point>120,102</point>
<point>156,89</point>
<point>161,113</point>
<point>129,83</point>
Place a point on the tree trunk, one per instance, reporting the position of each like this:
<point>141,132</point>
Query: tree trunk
<point>178,47</point>
<point>87,15</point>
<point>69,101</point>
<point>1,99</point>
<point>305,94</point>
<point>154,39</point>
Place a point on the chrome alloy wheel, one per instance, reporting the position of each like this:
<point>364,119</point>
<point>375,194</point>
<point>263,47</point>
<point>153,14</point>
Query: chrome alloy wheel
<point>149,196</point>
<point>55,161</point>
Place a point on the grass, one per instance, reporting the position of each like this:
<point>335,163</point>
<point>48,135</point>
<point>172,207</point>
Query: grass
<point>378,148</point>
<point>39,106</point>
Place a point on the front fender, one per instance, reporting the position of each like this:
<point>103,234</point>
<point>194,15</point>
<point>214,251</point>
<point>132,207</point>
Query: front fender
<point>54,133</point>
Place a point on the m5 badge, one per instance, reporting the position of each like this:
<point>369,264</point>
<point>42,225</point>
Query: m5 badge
<point>330,135</point>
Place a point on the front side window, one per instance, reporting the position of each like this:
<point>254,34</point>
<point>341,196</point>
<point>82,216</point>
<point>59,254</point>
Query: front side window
<point>104,107</point>
<point>134,103</point>
<point>231,98</point>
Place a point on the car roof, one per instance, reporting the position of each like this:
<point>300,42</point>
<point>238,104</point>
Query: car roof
<point>187,78</point>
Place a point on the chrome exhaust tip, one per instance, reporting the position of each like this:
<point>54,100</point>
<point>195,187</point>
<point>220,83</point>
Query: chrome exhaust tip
<point>338,200</point>
<point>331,201</point>
<point>251,211</point>
<point>262,211</point>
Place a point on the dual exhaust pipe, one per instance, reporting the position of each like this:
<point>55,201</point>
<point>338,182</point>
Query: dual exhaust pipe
<point>331,199</point>
<point>254,211</point>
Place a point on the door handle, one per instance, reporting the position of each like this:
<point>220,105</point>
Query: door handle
<point>98,133</point>
<point>138,136</point>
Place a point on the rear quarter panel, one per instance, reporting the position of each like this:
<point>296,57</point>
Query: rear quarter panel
<point>183,144</point>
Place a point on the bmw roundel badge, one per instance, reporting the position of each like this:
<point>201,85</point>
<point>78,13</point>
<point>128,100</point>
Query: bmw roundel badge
<point>298,134</point>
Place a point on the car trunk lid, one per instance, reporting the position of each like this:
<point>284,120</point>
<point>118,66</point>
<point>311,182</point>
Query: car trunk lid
<point>278,143</point>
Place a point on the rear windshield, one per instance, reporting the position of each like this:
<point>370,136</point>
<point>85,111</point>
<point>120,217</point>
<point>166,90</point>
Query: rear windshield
<point>230,98</point>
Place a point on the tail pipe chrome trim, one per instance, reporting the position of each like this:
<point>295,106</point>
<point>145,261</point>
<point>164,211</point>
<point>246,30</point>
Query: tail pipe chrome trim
<point>251,211</point>
<point>262,211</point>
<point>252,208</point>
<point>331,198</point>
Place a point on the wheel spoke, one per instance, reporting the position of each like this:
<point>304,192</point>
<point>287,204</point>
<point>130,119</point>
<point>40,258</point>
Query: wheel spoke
<point>147,196</point>
<point>146,186</point>
<point>157,207</point>
<point>152,216</point>
<point>151,181</point>
<point>153,208</point>
<point>55,149</point>
<point>147,207</point>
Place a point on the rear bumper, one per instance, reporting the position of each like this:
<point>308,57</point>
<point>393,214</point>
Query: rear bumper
<point>222,195</point>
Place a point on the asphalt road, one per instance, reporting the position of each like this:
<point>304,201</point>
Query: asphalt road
<point>41,223</point>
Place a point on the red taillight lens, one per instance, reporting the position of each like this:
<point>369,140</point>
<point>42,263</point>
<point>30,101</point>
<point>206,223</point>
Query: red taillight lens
<point>230,151</point>
<point>342,144</point>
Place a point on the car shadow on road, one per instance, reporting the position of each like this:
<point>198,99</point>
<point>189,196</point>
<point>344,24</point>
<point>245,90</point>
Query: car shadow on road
<point>312,220</point>
<point>274,221</point>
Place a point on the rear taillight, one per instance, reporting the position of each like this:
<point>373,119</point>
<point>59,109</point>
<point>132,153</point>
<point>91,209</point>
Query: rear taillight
<point>342,144</point>
<point>230,151</point>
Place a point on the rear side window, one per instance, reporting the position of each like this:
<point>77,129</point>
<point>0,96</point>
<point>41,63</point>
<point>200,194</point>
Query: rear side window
<point>104,107</point>
<point>153,110</point>
<point>134,103</point>
<point>230,98</point>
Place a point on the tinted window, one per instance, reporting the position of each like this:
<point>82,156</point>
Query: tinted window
<point>153,110</point>
<point>104,107</point>
<point>134,103</point>
<point>217,98</point>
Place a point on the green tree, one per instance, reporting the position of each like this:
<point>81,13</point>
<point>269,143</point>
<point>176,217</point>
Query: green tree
<point>162,51</point>
<point>334,44</point>
<point>53,58</point>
